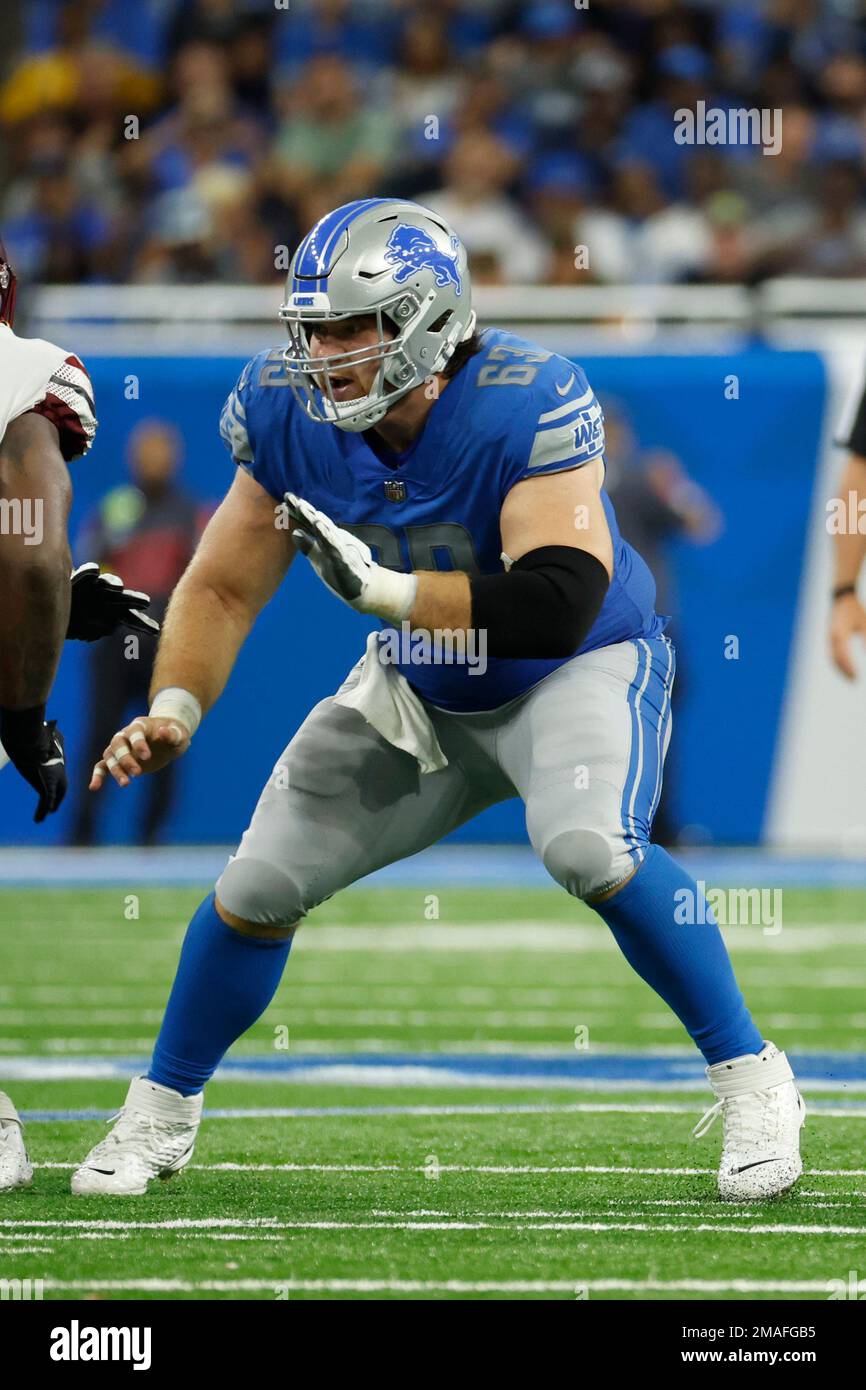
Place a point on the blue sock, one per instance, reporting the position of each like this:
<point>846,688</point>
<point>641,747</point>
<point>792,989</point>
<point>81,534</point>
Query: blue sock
<point>687,965</point>
<point>224,982</point>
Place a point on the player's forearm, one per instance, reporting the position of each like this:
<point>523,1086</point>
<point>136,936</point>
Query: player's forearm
<point>543,606</point>
<point>442,600</point>
<point>849,544</point>
<point>202,635</point>
<point>241,560</point>
<point>35,562</point>
<point>33,620</point>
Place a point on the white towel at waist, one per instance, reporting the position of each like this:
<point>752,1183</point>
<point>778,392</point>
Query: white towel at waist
<point>387,701</point>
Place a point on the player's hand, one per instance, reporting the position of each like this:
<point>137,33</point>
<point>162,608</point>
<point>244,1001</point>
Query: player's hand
<point>346,565</point>
<point>848,620</point>
<point>341,560</point>
<point>100,604</point>
<point>145,745</point>
<point>35,746</point>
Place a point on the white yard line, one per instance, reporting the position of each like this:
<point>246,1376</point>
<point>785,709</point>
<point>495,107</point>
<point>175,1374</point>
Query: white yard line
<point>504,1169</point>
<point>99,1236</point>
<point>123,1047</point>
<point>567,1286</point>
<point>182,1223</point>
<point>439,1226</point>
<point>544,936</point>
<point>631,1211</point>
<point>324,1046</point>
<point>407,1016</point>
<point>529,935</point>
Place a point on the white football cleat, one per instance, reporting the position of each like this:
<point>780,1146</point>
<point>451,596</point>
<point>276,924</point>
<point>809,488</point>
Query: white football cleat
<point>762,1114</point>
<point>153,1137</point>
<point>16,1170</point>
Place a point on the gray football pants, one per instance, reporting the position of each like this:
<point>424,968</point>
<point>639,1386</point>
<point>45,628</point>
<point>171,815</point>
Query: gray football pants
<point>584,749</point>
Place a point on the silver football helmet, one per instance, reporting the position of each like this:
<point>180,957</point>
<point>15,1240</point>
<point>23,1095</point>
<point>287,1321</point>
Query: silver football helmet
<point>391,259</point>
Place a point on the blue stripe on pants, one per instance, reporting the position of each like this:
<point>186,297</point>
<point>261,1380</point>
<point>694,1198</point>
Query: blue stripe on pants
<point>649,702</point>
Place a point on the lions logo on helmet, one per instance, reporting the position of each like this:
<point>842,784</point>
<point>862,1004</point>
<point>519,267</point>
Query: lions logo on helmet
<point>411,250</point>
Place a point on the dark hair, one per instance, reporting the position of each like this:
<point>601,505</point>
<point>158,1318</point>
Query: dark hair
<point>462,354</point>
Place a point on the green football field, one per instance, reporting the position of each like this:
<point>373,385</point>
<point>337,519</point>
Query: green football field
<point>464,1094</point>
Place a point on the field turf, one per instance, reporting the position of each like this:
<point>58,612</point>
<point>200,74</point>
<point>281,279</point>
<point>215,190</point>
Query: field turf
<point>464,1094</point>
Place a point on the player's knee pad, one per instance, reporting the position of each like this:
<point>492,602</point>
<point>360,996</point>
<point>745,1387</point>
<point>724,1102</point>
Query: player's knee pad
<point>581,860</point>
<point>258,892</point>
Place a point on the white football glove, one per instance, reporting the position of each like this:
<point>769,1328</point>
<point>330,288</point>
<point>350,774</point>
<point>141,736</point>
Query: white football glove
<point>346,565</point>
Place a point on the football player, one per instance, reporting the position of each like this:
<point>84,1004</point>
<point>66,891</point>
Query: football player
<point>46,419</point>
<point>441,479</point>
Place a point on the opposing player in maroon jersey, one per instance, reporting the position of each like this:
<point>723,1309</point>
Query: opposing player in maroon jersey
<point>47,419</point>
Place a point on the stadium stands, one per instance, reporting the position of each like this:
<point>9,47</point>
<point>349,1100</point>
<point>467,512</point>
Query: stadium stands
<point>184,141</point>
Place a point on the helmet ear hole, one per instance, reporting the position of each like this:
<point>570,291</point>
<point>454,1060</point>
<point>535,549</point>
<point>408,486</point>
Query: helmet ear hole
<point>440,323</point>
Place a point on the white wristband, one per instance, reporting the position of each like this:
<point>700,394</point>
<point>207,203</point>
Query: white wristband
<point>177,703</point>
<point>389,594</point>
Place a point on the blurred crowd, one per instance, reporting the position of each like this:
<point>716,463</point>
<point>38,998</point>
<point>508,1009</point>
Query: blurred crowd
<point>188,140</point>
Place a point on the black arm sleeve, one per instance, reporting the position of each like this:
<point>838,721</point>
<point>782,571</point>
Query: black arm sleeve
<point>544,606</point>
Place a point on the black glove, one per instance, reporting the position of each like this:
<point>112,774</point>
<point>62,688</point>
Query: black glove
<point>100,605</point>
<point>36,748</point>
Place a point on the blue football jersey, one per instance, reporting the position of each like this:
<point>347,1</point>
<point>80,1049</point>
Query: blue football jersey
<point>514,411</point>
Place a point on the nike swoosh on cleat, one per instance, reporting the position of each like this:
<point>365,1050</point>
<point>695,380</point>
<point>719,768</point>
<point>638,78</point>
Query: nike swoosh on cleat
<point>757,1164</point>
<point>564,390</point>
<point>106,1172</point>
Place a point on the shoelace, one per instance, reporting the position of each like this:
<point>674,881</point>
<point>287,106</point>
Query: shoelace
<point>748,1119</point>
<point>133,1127</point>
<point>706,1122</point>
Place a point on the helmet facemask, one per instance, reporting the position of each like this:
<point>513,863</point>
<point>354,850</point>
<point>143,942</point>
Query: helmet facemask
<point>311,377</point>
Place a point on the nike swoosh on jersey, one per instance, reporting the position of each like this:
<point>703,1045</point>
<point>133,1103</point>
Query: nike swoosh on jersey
<point>564,390</point>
